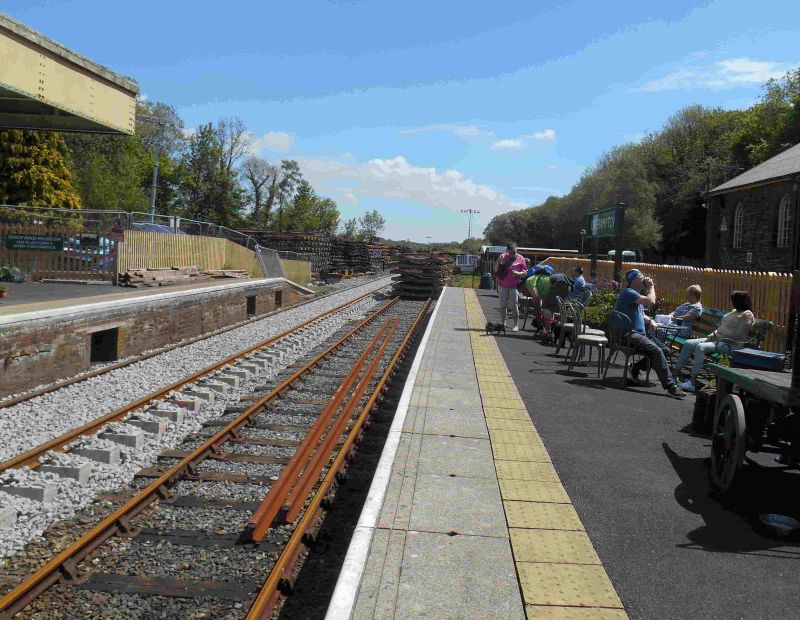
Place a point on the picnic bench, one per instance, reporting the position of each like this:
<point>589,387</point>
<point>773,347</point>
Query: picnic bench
<point>708,323</point>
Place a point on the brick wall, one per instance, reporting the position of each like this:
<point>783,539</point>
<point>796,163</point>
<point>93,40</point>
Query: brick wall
<point>46,350</point>
<point>759,230</point>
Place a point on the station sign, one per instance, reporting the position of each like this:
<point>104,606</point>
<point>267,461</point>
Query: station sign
<point>34,242</point>
<point>605,223</point>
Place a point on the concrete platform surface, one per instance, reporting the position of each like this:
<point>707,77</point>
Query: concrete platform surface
<point>43,296</point>
<point>470,519</point>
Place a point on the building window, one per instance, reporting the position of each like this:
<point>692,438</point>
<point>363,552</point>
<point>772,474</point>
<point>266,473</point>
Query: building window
<point>784,223</point>
<point>738,221</point>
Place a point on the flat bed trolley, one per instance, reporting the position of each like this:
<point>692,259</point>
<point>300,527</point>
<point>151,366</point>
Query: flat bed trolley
<point>757,411</point>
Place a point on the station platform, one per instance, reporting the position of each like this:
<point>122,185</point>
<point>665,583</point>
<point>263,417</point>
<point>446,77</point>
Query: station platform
<point>466,516</point>
<point>44,297</point>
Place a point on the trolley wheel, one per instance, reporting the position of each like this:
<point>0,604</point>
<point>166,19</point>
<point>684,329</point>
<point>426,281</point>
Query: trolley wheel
<point>728,442</point>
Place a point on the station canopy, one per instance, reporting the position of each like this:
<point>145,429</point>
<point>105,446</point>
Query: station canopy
<point>44,85</point>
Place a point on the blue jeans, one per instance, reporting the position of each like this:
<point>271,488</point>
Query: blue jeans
<point>699,347</point>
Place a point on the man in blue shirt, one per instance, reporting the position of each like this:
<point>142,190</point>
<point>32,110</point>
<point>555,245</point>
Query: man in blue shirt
<point>631,302</point>
<point>578,284</point>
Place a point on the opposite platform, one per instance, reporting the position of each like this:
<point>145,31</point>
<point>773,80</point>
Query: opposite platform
<point>466,517</point>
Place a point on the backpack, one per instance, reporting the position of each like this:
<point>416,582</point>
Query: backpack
<point>502,268</point>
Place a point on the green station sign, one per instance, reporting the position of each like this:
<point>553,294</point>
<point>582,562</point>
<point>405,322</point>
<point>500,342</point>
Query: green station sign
<point>605,223</point>
<point>37,243</point>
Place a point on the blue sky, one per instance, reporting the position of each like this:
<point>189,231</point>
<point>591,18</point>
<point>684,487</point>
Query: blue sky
<point>420,109</point>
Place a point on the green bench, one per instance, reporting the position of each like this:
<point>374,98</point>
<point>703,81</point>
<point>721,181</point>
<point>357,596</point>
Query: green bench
<point>709,322</point>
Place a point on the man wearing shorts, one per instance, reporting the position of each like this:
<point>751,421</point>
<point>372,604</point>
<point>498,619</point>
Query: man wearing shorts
<point>510,268</point>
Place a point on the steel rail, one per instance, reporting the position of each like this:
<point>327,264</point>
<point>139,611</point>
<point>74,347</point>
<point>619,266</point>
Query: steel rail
<point>298,495</point>
<point>268,508</point>
<point>315,442</point>
<point>31,457</point>
<point>10,402</point>
<point>281,577</point>
<point>65,563</point>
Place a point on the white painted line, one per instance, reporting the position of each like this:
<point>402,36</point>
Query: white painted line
<point>81,309</point>
<point>344,595</point>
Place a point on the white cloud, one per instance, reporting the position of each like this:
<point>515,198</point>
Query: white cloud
<point>398,179</point>
<point>188,132</point>
<point>273,141</point>
<point>545,134</point>
<point>509,143</point>
<point>462,131</point>
<point>719,75</point>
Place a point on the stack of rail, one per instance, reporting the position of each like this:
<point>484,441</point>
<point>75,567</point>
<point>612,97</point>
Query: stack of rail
<point>317,245</point>
<point>423,276</point>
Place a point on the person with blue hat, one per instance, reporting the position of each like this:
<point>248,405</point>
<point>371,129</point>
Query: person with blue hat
<point>641,293</point>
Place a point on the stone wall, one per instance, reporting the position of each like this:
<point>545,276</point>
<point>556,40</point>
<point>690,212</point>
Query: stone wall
<point>759,230</point>
<point>49,349</point>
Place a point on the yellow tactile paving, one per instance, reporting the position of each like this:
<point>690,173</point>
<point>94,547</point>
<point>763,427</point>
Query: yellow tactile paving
<point>559,571</point>
<point>542,516</point>
<point>506,414</point>
<point>525,438</point>
<point>566,584</point>
<point>555,546</point>
<point>520,470</point>
<point>503,424</point>
<point>552,612</point>
<point>520,452</point>
<point>533,491</point>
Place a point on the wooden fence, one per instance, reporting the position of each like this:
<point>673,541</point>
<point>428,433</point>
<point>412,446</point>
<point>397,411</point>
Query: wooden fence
<point>142,249</point>
<point>769,291</point>
<point>298,271</point>
<point>57,252</point>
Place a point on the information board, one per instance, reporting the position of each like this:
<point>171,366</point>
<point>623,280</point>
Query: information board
<point>603,223</point>
<point>38,243</point>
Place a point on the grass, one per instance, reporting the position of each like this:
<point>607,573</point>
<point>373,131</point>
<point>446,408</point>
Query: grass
<point>466,280</point>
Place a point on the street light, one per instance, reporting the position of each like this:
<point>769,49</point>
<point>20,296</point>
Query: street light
<point>583,235</point>
<point>470,213</point>
<point>155,120</point>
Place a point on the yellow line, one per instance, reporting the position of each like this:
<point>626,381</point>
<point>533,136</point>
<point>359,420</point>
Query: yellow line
<point>560,574</point>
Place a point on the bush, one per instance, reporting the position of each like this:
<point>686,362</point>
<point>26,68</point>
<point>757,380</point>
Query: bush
<point>601,303</point>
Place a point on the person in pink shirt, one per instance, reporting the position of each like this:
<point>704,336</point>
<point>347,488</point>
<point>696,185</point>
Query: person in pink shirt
<point>510,268</point>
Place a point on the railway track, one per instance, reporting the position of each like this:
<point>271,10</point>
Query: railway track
<point>10,401</point>
<point>227,370</point>
<point>221,525</point>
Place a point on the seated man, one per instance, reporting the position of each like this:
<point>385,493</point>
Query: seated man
<point>686,314</point>
<point>578,283</point>
<point>631,302</point>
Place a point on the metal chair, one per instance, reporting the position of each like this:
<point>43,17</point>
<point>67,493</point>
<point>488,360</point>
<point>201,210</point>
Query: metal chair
<point>567,326</point>
<point>581,340</point>
<point>619,330</point>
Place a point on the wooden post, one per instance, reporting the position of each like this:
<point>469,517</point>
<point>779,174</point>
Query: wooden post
<point>593,264</point>
<point>620,215</point>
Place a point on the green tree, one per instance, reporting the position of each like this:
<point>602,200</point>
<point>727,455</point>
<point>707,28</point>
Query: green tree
<point>34,170</point>
<point>350,228</point>
<point>371,225</point>
<point>259,175</point>
<point>111,172</point>
<point>210,191</point>
<point>310,212</point>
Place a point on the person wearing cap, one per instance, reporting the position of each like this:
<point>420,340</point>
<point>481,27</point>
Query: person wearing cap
<point>510,268</point>
<point>639,294</point>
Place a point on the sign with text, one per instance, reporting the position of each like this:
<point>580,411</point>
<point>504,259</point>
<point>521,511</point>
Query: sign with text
<point>38,243</point>
<point>605,223</point>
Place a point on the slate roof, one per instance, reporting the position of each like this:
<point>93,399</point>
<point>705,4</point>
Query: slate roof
<point>784,164</point>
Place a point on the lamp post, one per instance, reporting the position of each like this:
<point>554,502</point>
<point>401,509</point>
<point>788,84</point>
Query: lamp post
<point>155,120</point>
<point>470,213</point>
<point>583,236</point>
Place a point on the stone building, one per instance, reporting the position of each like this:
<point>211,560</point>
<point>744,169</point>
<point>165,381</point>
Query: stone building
<point>752,218</point>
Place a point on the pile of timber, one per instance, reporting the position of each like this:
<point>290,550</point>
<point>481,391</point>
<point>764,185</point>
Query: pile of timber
<point>168,276</point>
<point>423,276</point>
